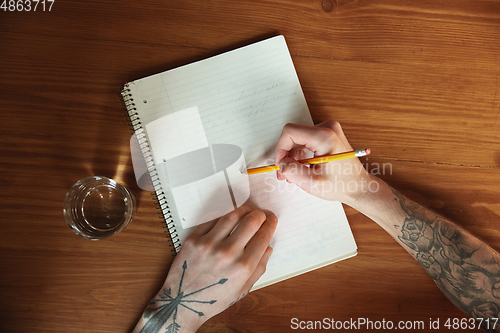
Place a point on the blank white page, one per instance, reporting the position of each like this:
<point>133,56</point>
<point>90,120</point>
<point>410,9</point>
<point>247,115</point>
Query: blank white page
<point>176,134</point>
<point>245,97</point>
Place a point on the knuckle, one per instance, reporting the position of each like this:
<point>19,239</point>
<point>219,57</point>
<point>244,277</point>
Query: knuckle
<point>244,207</point>
<point>232,215</point>
<point>336,125</point>
<point>290,128</point>
<point>202,244</point>
<point>333,124</point>
<point>190,241</point>
<point>262,238</point>
<point>246,266</point>
<point>334,136</point>
<point>225,255</point>
<point>237,213</point>
<point>243,210</point>
<point>253,221</point>
<point>261,269</point>
<point>328,133</point>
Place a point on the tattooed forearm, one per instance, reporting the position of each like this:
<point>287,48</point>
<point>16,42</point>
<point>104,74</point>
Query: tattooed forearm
<point>164,309</point>
<point>464,268</point>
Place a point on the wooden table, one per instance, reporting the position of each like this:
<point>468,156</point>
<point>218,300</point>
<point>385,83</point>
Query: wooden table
<point>416,81</point>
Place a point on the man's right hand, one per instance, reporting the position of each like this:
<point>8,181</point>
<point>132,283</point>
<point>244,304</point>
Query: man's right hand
<point>339,180</point>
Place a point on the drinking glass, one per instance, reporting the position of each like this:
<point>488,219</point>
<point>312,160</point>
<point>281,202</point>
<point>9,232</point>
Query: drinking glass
<point>97,207</point>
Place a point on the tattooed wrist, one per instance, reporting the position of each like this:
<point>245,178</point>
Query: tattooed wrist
<point>163,311</point>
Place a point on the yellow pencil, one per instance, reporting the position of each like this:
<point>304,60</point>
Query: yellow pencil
<point>314,160</point>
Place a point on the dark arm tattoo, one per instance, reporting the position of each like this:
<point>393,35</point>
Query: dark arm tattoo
<point>168,308</point>
<point>465,269</point>
<point>239,297</point>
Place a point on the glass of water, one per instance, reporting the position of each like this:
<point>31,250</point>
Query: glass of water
<point>98,207</point>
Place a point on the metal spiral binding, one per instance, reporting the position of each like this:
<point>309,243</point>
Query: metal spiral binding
<point>158,194</point>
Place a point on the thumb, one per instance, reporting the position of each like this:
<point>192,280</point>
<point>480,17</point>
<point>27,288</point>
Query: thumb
<point>297,173</point>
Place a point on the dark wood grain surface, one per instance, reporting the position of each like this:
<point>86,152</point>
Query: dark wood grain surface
<point>416,81</point>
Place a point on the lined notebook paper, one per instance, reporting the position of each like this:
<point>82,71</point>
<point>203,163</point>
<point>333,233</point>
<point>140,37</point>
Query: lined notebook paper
<point>244,97</point>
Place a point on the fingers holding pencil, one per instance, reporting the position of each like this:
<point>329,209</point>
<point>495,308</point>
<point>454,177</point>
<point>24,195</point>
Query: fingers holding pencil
<point>328,142</point>
<point>296,140</point>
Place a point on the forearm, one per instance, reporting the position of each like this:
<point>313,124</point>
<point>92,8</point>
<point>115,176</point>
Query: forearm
<point>465,269</point>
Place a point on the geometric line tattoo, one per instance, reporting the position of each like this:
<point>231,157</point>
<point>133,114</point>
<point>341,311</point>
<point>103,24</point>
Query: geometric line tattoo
<point>170,307</point>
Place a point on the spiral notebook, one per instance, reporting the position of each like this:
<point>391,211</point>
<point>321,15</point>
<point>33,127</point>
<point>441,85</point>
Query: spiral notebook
<point>244,98</point>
